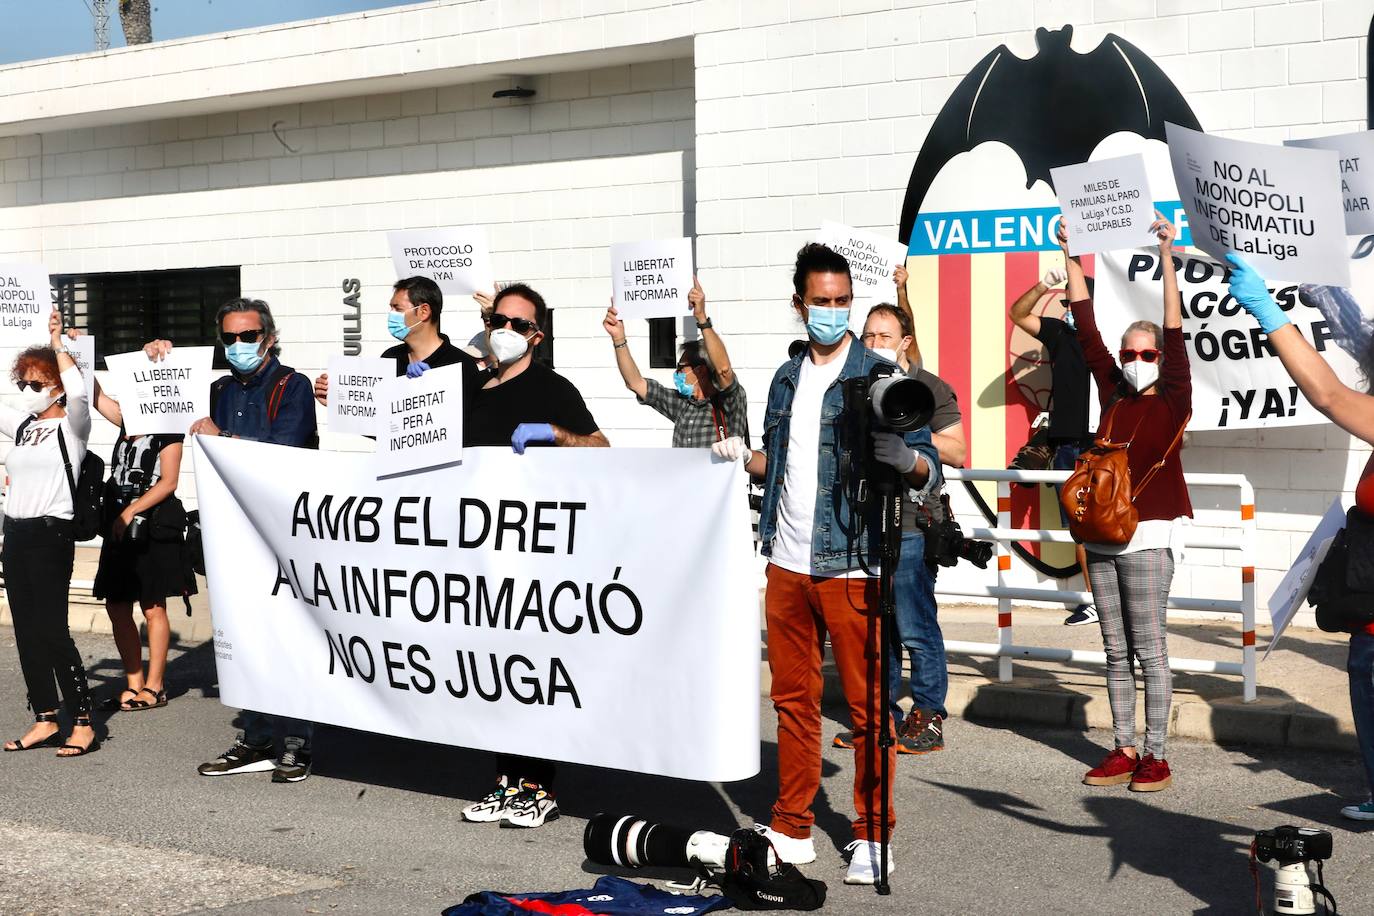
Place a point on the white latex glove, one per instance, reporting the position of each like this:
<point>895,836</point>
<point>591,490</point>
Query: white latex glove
<point>732,449</point>
<point>1055,277</point>
<point>890,449</point>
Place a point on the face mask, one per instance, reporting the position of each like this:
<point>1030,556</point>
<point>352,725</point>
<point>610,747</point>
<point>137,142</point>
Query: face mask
<point>396,324</point>
<point>885,353</point>
<point>826,325</point>
<point>1140,374</point>
<point>244,357</point>
<point>507,345</point>
<point>683,386</point>
<point>35,402</point>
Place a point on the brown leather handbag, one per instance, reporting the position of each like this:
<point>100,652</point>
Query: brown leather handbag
<point>1098,497</point>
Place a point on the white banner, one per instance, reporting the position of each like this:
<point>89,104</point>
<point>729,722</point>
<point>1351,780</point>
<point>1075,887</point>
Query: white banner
<point>540,604</point>
<point>1278,207</point>
<point>166,396</point>
<point>457,259</point>
<point>652,279</point>
<point>354,383</point>
<point>1107,204</point>
<point>25,304</point>
<point>1356,152</point>
<point>82,350</point>
<point>419,422</point>
<point>1238,380</point>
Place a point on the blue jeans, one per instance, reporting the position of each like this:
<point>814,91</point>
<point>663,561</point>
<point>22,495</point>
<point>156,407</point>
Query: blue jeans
<point>1360,667</point>
<point>918,632</point>
<point>260,728</point>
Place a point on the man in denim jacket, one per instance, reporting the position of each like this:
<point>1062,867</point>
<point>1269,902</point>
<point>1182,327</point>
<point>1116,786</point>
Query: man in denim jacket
<point>821,556</point>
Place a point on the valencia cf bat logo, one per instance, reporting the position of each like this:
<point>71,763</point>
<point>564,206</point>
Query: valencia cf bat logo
<point>1051,110</point>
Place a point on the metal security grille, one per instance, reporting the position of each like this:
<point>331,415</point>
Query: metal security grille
<point>126,310</point>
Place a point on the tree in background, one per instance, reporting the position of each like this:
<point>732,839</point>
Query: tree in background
<point>136,17</point>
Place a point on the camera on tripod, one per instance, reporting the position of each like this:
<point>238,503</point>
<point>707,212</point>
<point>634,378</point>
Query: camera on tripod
<point>1294,849</point>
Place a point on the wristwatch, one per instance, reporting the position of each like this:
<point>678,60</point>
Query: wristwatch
<point>226,434</point>
<point>703,325</point>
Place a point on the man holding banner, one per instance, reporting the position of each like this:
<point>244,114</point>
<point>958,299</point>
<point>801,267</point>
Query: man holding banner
<point>413,319</point>
<point>525,403</point>
<point>266,401</point>
<point>821,570</point>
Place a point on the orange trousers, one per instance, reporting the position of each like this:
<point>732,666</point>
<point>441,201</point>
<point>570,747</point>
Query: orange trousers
<point>801,609</point>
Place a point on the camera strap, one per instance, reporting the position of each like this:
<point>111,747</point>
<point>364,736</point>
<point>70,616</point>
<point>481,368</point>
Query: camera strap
<point>718,415</point>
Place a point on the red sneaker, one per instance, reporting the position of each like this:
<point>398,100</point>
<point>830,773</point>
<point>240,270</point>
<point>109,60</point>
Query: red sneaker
<point>1116,768</point>
<point>1151,775</point>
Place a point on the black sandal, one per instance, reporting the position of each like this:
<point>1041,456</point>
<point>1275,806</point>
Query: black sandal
<point>159,700</point>
<point>115,703</point>
<point>79,722</point>
<point>46,742</point>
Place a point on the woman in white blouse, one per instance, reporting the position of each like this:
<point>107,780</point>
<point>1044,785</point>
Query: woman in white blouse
<point>51,414</point>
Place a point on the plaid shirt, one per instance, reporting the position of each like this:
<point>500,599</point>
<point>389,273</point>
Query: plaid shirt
<point>697,423</point>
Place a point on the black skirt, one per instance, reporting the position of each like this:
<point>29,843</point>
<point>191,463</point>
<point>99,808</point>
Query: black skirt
<point>149,573</point>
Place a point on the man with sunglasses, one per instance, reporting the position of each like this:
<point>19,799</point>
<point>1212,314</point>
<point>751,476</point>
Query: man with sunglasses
<point>265,401</point>
<point>709,404</point>
<point>525,403</point>
<point>413,318</point>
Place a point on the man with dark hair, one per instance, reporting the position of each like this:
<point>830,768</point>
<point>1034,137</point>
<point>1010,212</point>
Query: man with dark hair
<point>822,540</point>
<point>413,319</point>
<point>709,403</point>
<point>264,401</point>
<point>525,403</point>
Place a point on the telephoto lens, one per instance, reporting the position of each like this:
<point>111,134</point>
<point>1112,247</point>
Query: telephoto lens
<point>632,842</point>
<point>901,403</point>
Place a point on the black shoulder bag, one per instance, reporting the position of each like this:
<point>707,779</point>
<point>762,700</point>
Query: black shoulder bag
<point>1342,592</point>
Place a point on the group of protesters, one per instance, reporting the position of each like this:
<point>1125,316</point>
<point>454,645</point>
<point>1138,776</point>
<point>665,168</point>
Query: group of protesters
<point>820,580</point>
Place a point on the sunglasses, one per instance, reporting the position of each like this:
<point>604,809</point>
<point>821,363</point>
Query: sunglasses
<point>250,336</point>
<point>496,321</point>
<point>1130,356</point>
<point>35,384</point>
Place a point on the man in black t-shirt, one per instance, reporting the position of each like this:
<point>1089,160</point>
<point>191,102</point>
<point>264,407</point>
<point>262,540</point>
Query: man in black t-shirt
<point>1069,431</point>
<point>524,404</point>
<point>413,319</point>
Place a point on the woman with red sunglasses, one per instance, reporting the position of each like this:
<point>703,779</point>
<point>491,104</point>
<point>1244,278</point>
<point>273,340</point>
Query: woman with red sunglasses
<point>1146,401</point>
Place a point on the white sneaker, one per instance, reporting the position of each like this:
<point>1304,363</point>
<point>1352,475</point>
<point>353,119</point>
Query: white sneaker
<point>864,861</point>
<point>532,806</point>
<point>789,849</point>
<point>492,805</point>
<point>1364,811</point>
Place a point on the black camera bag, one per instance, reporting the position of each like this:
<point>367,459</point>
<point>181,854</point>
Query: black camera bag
<point>1342,592</point>
<point>751,884</point>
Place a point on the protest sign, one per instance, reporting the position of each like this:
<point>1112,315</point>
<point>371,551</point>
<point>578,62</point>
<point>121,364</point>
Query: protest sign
<point>457,259</point>
<point>82,351</point>
<point>1355,154</point>
<point>1238,379</point>
<point>166,396</point>
<point>652,279</point>
<point>872,258</point>
<point>25,304</point>
<point>1107,204</point>
<point>419,421</point>
<point>1277,207</point>
<point>1293,587</point>
<point>534,604</point>
<point>353,392</point>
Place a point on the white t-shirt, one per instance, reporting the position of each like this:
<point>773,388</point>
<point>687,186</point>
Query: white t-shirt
<point>38,476</point>
<point>801,477</point>
<point>1150,534</point>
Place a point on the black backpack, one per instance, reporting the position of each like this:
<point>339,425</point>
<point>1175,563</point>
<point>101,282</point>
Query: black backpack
<point>1342,592</point>
<point>753,883</point>
<point>88,486</point>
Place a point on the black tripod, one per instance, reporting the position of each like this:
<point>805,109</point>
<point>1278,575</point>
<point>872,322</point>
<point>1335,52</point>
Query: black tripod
<point>889,488</point>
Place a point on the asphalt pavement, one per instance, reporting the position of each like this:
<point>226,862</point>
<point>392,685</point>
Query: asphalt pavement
<point>997,823</point>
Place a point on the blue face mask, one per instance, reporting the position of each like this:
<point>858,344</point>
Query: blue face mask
<point>683,386</point>
<point>826,325</point>
<point>1068,319</point>
<point>396,324</point>
<point>244,357</point>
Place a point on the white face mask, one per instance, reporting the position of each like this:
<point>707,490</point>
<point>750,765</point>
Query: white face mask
<point>885,353</point>
<point>35,402</point>
<point>507,345</point>
<point>1140,374</point>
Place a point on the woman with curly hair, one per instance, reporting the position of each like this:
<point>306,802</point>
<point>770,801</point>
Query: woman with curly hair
<point>49,423</point>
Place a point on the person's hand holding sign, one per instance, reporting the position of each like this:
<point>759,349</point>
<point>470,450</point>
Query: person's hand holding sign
<point>417,369</point>
<point>1250,290</point>
<point>1165,232</point>
<point>697,300</point>
<point>528,433</point>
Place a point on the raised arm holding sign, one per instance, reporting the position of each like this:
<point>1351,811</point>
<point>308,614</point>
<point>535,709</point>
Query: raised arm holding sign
<point>652,279</point>
<point>1107,204</point>
<point>457,259</point>
<point>164,396</point>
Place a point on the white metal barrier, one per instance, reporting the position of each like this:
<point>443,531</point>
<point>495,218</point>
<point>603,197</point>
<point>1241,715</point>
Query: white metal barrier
<point>1004,650</point>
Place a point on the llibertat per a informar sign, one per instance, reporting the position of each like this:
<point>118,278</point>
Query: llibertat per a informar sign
<point>537,604</point>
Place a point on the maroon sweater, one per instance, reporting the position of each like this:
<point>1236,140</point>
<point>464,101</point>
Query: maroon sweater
<point>1150,422</point>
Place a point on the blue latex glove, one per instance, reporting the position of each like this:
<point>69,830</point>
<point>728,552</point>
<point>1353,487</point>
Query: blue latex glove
<point>526,433</point>
<point>1249,289</point>
<point>415,370</point>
